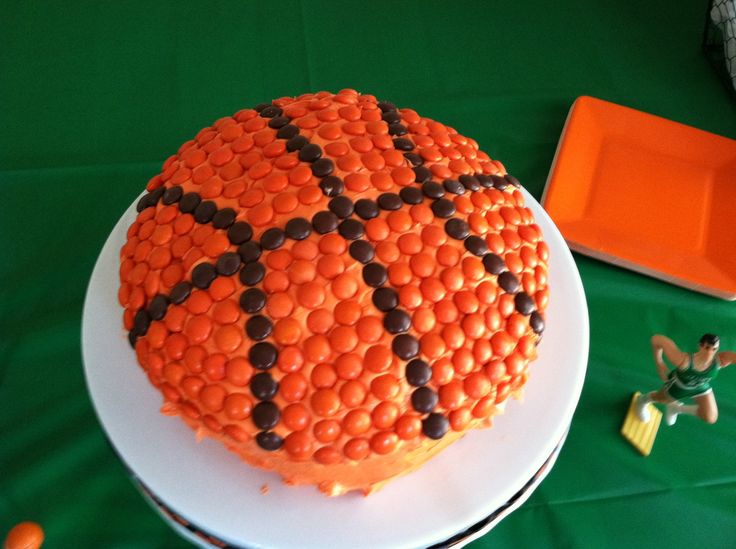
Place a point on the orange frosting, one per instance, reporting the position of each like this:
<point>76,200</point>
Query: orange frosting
<point>345,416</point>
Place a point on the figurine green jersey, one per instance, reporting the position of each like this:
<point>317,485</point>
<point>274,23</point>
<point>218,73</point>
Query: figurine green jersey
<point>691,379</point>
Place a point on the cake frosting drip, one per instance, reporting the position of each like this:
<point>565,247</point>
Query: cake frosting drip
<point>334,288</point>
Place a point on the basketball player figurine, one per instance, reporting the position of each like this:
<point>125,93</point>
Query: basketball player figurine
<point>691,379</point>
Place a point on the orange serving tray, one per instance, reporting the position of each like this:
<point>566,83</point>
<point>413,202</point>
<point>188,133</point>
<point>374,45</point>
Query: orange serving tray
<point>648,194</point>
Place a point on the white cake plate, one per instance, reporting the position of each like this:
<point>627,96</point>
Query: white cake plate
<point>471,484</point>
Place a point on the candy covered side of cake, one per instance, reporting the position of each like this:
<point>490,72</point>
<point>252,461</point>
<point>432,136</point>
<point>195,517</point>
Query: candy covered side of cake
<point>334,288</point>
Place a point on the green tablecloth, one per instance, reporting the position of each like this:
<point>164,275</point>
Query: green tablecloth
<point>94,96</point>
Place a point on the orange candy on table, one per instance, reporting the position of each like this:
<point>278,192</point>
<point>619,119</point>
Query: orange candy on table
<point>24,535</point>
<point>344,219</point>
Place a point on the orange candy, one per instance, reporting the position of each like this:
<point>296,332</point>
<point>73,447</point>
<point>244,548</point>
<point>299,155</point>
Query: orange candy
<point>434,236</point>
<point>452,395</point>
<point>466,302</point>
<point>159,258</point>
<point>24,535</point>
<point>327,430</point>
<point>361,144</point>
<point>302,271</point>
<point>276,281</point>
<point>330,266</point>
<point>228,338</point>
<point>422,265</point>
<point>378,358</point>
<point>336,149</point>
<point>356,422</point>
<point>325,402</point>
<point>348,312</point>
<point>503,344</point>
<point>453,335</point>
<point>175,345</point>
<point>422,214</point>
<point>191,386</point>
<point>287,331</point>
<point>323,376</point>
<point>349,366</point>
<point>327,455</point>
<point>399,274</point>
<point>474,326</point>
<point>432,345</point>
<point>238,406</point>
<point>296,417</point>
<point>377,229</point>
<point>221,288</point>
<point>448,255</point>
<point>344,286</point>
<point>293,387</point>
<point>432,289</point>
<point>285,202</point>
<point>384,415</point>
<point>387,251</point>
<point>260,215</point>
<point>332,244</point>
<point>279,305</point>
<point>298,444</point>
<point>408,427</point>
<point>290,359</point>
<point>527,346</point>
<point>357,449</point>
<point>304,249</point>
<point>460,418</point>
<point>399,221</point>
<point>493,319</point>
<point>343,339</point>
<point>442,371</point>
<point>352,393</point>
<point>317,348</point>
<point>515,363</point>
<point>410,243</point>
<point>506,305</point>
<point>226,312</point>
<point>403,175</point>
<point>320,321</point>
<point>410,297</point>
<point>486,406</point>
<point>309,194</point>
<point>482,351</point>
<point>452,278</point>
<point>198,328</point>
<point>214,367</point>
<point>516,325</point>
<point>385,387</point>
<point>463,361</point>
<point>477,385</point>
<point>238,370</point>
<point>473,268</point>
<point>384,442</point>
<point>423,320</point>
<point>213,397</point>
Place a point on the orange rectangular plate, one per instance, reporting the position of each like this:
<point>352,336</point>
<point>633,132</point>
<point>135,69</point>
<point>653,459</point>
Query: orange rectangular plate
<point>648,194</point>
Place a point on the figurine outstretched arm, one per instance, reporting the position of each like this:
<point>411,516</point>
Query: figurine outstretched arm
<point>726,358</point>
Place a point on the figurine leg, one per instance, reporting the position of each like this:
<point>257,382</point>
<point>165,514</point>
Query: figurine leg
<point>642,407</point>
<point>645,399</point>
<point>707,409</point>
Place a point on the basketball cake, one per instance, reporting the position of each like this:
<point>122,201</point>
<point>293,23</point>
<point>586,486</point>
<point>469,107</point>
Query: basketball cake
<point>333,287</point>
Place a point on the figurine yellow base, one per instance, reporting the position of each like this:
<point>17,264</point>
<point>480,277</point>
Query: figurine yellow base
<point>641,435</point>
